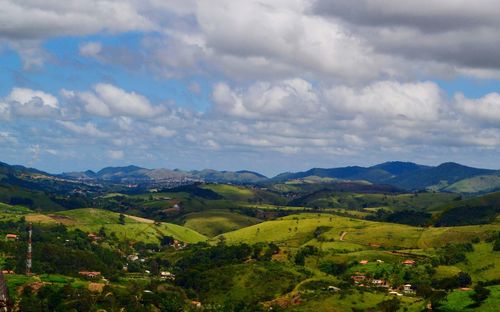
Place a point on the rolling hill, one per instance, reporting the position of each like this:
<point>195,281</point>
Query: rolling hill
<point>134,229</point>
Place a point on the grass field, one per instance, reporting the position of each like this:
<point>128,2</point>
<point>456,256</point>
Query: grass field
<point>459,301</point>
<point>296,230</point>
<point>232,192</point>
<point>215,222</point>
<point>135,229</point>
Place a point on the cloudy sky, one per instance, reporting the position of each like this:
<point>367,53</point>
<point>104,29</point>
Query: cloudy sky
<point>266,85</point>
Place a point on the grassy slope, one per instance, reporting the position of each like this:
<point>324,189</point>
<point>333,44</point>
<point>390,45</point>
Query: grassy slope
<point>215,222</point>
<point>459,300</point>
<point>477,184</point>
<point>91,220</point>
<point>296,230</point>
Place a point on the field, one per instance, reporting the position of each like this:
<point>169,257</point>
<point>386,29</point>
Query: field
<point>214,222</point>
<point>459,301</point>
<point>296,230</point>
<point>135,229</point>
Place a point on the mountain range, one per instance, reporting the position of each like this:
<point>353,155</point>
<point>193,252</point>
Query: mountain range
<point>448,176</point>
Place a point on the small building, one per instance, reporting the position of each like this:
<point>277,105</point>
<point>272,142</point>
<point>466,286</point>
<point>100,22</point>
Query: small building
<point>409,262</point>
<point>363,262</point>
<point>90,274</point>
<point>380,283</point>
<point>8,272</point>
<point>358,278</point>
<point>407,289</point>
<point>11,237</point>
<point>133,257</point>
<point>167,275</point>
<point>94,237</point>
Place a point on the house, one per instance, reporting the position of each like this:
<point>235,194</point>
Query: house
<point>89,274</point>
<point>11,237</point>
<point>167,275</point>
<point>94,237</point>
<point>363,262</point>
<point>380,283</point>
<point>358,278</point>
<point>407,289</point>
<point>196,304</point>
<point>409,262</point>
<point>132,257</point>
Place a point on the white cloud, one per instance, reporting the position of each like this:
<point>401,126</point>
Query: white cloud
<point>116,154</point>
<point>388,100</point>
<point>24,96</point>
<point>86,130</point>
<point>28,102</point>
<point>486,108</point>
<point>90,49</point>
<point>41,19</point>
<point>162,132</point>
<point>108,100</point>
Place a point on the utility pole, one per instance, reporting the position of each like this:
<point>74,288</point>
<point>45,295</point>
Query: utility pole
<point>28,255</point>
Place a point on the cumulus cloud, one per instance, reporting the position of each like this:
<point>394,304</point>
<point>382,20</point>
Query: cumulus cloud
<point>458,33</point>
<point>162,132</point>
<point>116,154</point>
<point>86,130</point>
<point>486,108</point>
<point>28,102</point>
<point>90,49</point>
<point>108,100</point>
<point>33,19</point>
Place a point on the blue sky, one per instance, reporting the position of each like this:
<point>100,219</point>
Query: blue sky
<point>267,85</point>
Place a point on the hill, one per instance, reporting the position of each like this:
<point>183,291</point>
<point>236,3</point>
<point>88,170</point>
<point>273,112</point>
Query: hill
<point>214,222</point>
<point>134,228</point>
<point>438,177</point>
<point>305,228</point>
<point>476,210</point>
<point>134,174</point>
<point>405,175</point>
<point>477,184</point>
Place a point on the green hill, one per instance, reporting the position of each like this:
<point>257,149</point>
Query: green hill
<point>300,229</point>
<point>477,210</point>
<point>135,228</point>
<point>215,222</point>
<point>479,184</point>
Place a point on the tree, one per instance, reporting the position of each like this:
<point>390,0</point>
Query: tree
<point>121,219</point>
<point>480,294</point>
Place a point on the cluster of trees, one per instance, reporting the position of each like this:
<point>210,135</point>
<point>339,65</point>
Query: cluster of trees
<point>133,297</point>
<point>58,250</point>
<point>410,217</point>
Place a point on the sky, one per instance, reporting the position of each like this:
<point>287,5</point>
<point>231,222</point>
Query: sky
<point>264,85</point>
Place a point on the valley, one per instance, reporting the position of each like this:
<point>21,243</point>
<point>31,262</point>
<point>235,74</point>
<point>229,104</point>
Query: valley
<point>308,243</point>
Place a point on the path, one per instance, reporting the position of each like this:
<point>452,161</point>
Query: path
<point>342,235</point>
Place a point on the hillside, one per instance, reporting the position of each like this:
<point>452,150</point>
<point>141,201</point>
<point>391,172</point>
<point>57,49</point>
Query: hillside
<point>477,184</point>
<point>134,228</point>
<point>405,175</point>
<point>214,222</point>
<point>477,210</point>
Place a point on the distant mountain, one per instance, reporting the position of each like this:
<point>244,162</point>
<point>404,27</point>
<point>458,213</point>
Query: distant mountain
<point>398,168</point>
<point>437,177</point>
<point>134,174</point>
<point>405,175</point>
